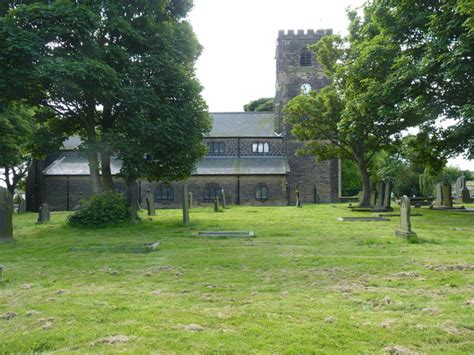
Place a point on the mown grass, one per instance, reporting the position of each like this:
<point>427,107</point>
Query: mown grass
<point>308,283</point>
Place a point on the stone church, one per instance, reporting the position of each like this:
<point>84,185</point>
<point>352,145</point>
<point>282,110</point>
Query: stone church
<point>251,156</point>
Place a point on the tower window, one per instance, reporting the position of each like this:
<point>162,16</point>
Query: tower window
<point>216,148</point>
<point>306,57</point>
<point>261,192</point>
<point>164,193</point>
<point>211,192</point>
<point>262,147</point>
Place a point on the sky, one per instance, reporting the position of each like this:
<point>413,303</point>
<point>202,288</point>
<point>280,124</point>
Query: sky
<point>237,64</point>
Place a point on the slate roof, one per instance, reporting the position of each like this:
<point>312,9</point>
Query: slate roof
<point>76,165</point>
<point>243,124</point>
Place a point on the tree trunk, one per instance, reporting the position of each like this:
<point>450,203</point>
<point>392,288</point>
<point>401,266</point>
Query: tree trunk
<point>107,178</point>
<point>132,198</point>
<point>93,162</point>
<point>366,186</point>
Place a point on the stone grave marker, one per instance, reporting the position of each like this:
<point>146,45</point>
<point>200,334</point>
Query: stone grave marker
<point>380,195</point>
<point>216,204</point>
<point>186,201</point>
<point>150,203</point>
<point>446,198</point>
<point>387,198</point>
<point>466,195</point>
<point>373,198</point>
<point>405,222</point>
<point>43,214</point>
<point>298,202</point>
<point>439,200</point>
<point>223,199</point>
<point>6,215</point>
<point>317,197</point>
<point>460,185</point>
<point>21,205</point>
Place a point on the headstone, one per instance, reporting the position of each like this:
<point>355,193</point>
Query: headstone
<point>460,185</point>
<point>43,214</point>
<point>216,204</point>
<point>466,195</point>
<point>6,215</point>
<point>298,202</point>
<point>380,195</point>
<point>317,197</point>
<point>186,200</point>
<point>223,198</point>
<point>191,202</point>
<point>21,205</point>
<point>150,203</point>
<point>405,223</point>
<point>387,198</point>
<point>446,194</point>
<point>439,200</point>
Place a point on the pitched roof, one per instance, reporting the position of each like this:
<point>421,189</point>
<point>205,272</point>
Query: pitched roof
<point>77,165</point>
<point>243,124</point>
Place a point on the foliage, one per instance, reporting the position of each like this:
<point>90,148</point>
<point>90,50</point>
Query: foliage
<point>351,181</point>
<point>437,41</point>
<point>101,210</point>
<point>268,295</point>
<point>119,74</point>
<point>262,104</point>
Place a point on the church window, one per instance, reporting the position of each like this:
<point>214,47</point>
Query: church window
<point>164,193</point>
<point>211,192</point>
<point>216,148</point>
<point>260,147</point>
<point>306,59</point>
<point>261,192</point>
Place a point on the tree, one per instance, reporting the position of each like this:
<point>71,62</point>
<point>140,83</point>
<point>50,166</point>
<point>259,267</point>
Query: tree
<point>114,73</point>
<point>436,38</point>
<point>263,104</point>
<point>360,113</point>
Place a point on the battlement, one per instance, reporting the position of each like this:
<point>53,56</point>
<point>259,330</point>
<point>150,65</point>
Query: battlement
<point>291,34</point>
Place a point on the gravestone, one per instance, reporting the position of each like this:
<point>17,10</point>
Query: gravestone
<point>446,194</point>
<point>405,222</point>
<point>191,202</point>
<point>223,198</point>
<point>317,197</point>
<point>6,215</point>
<point>298,202</point>
<point>43,214</point>
<point>21,205</point>
<point>460,185</point>
<point>466,195</point>
<point>373,198</point>
<point>439,200</point>
<point>387,198</point>
<point>150,203</point>
<point>186,200</point>
<point>380,195</point>
<point>216,204</point>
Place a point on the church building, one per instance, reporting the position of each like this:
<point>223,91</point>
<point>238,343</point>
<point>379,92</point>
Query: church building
<point>251,155</point>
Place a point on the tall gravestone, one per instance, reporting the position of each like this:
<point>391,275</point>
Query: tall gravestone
<point>387,198</point>
<point>380,195</point>
<point>405,219</point>
<point>446,194</point>
<point>186,200</point>
<point>439,198</point>
<point>373,198</point>
<point>6,215</point>
<point>466,195</point>
<point>460,185</point>
<point>224,202</point>
<point>44,214</point>
<point>216,204</point>
<point>150,203</point>
<point>21,205</point>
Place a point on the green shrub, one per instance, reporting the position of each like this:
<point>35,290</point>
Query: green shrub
<point>101,210</point>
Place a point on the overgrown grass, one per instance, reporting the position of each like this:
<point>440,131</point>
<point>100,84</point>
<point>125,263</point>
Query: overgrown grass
<point>307,283</point>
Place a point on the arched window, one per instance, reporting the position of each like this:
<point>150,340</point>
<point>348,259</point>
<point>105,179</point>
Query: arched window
<point>211,191</point>
<point>261,192</point>
<point>306,58</point>
<point>164,193</point>
<point>260,147</point>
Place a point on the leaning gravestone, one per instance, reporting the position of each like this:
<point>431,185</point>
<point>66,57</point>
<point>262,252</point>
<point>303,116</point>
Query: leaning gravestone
<point>150,203</point>
<point>6,215</point>
<point>186,201</point>
<point>405,223</point>
<point>43,214</point>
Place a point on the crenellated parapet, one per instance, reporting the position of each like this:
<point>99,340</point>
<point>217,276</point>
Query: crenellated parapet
<point>303,34</point>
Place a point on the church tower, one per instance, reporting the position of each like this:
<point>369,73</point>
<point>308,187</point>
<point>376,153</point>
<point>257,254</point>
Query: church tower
<point>298,72</point>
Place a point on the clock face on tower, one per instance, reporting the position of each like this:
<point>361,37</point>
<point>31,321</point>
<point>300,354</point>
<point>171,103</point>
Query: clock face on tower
<point>305,88</point>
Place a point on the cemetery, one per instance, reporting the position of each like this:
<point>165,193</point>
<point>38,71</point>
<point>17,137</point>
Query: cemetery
<point>336,216</point>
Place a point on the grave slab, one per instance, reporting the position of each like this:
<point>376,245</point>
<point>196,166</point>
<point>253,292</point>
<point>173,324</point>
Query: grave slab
<point>226,234</point>
<point>363,219</point>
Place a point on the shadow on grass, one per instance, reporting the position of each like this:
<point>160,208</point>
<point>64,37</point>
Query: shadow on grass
<point>418,240</point>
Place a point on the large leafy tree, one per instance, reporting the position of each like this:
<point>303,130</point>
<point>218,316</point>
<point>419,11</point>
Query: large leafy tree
<point>437,39</point>
<point>262,104</point>
<point>119,74</point>
<point>360,113</point>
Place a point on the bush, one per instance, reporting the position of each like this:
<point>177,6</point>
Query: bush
<point>101,210</point>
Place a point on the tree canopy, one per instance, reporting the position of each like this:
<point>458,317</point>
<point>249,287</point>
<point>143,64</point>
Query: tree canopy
<point>262,104</point>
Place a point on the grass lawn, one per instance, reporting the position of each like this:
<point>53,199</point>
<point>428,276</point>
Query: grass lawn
<point>307,283</point>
